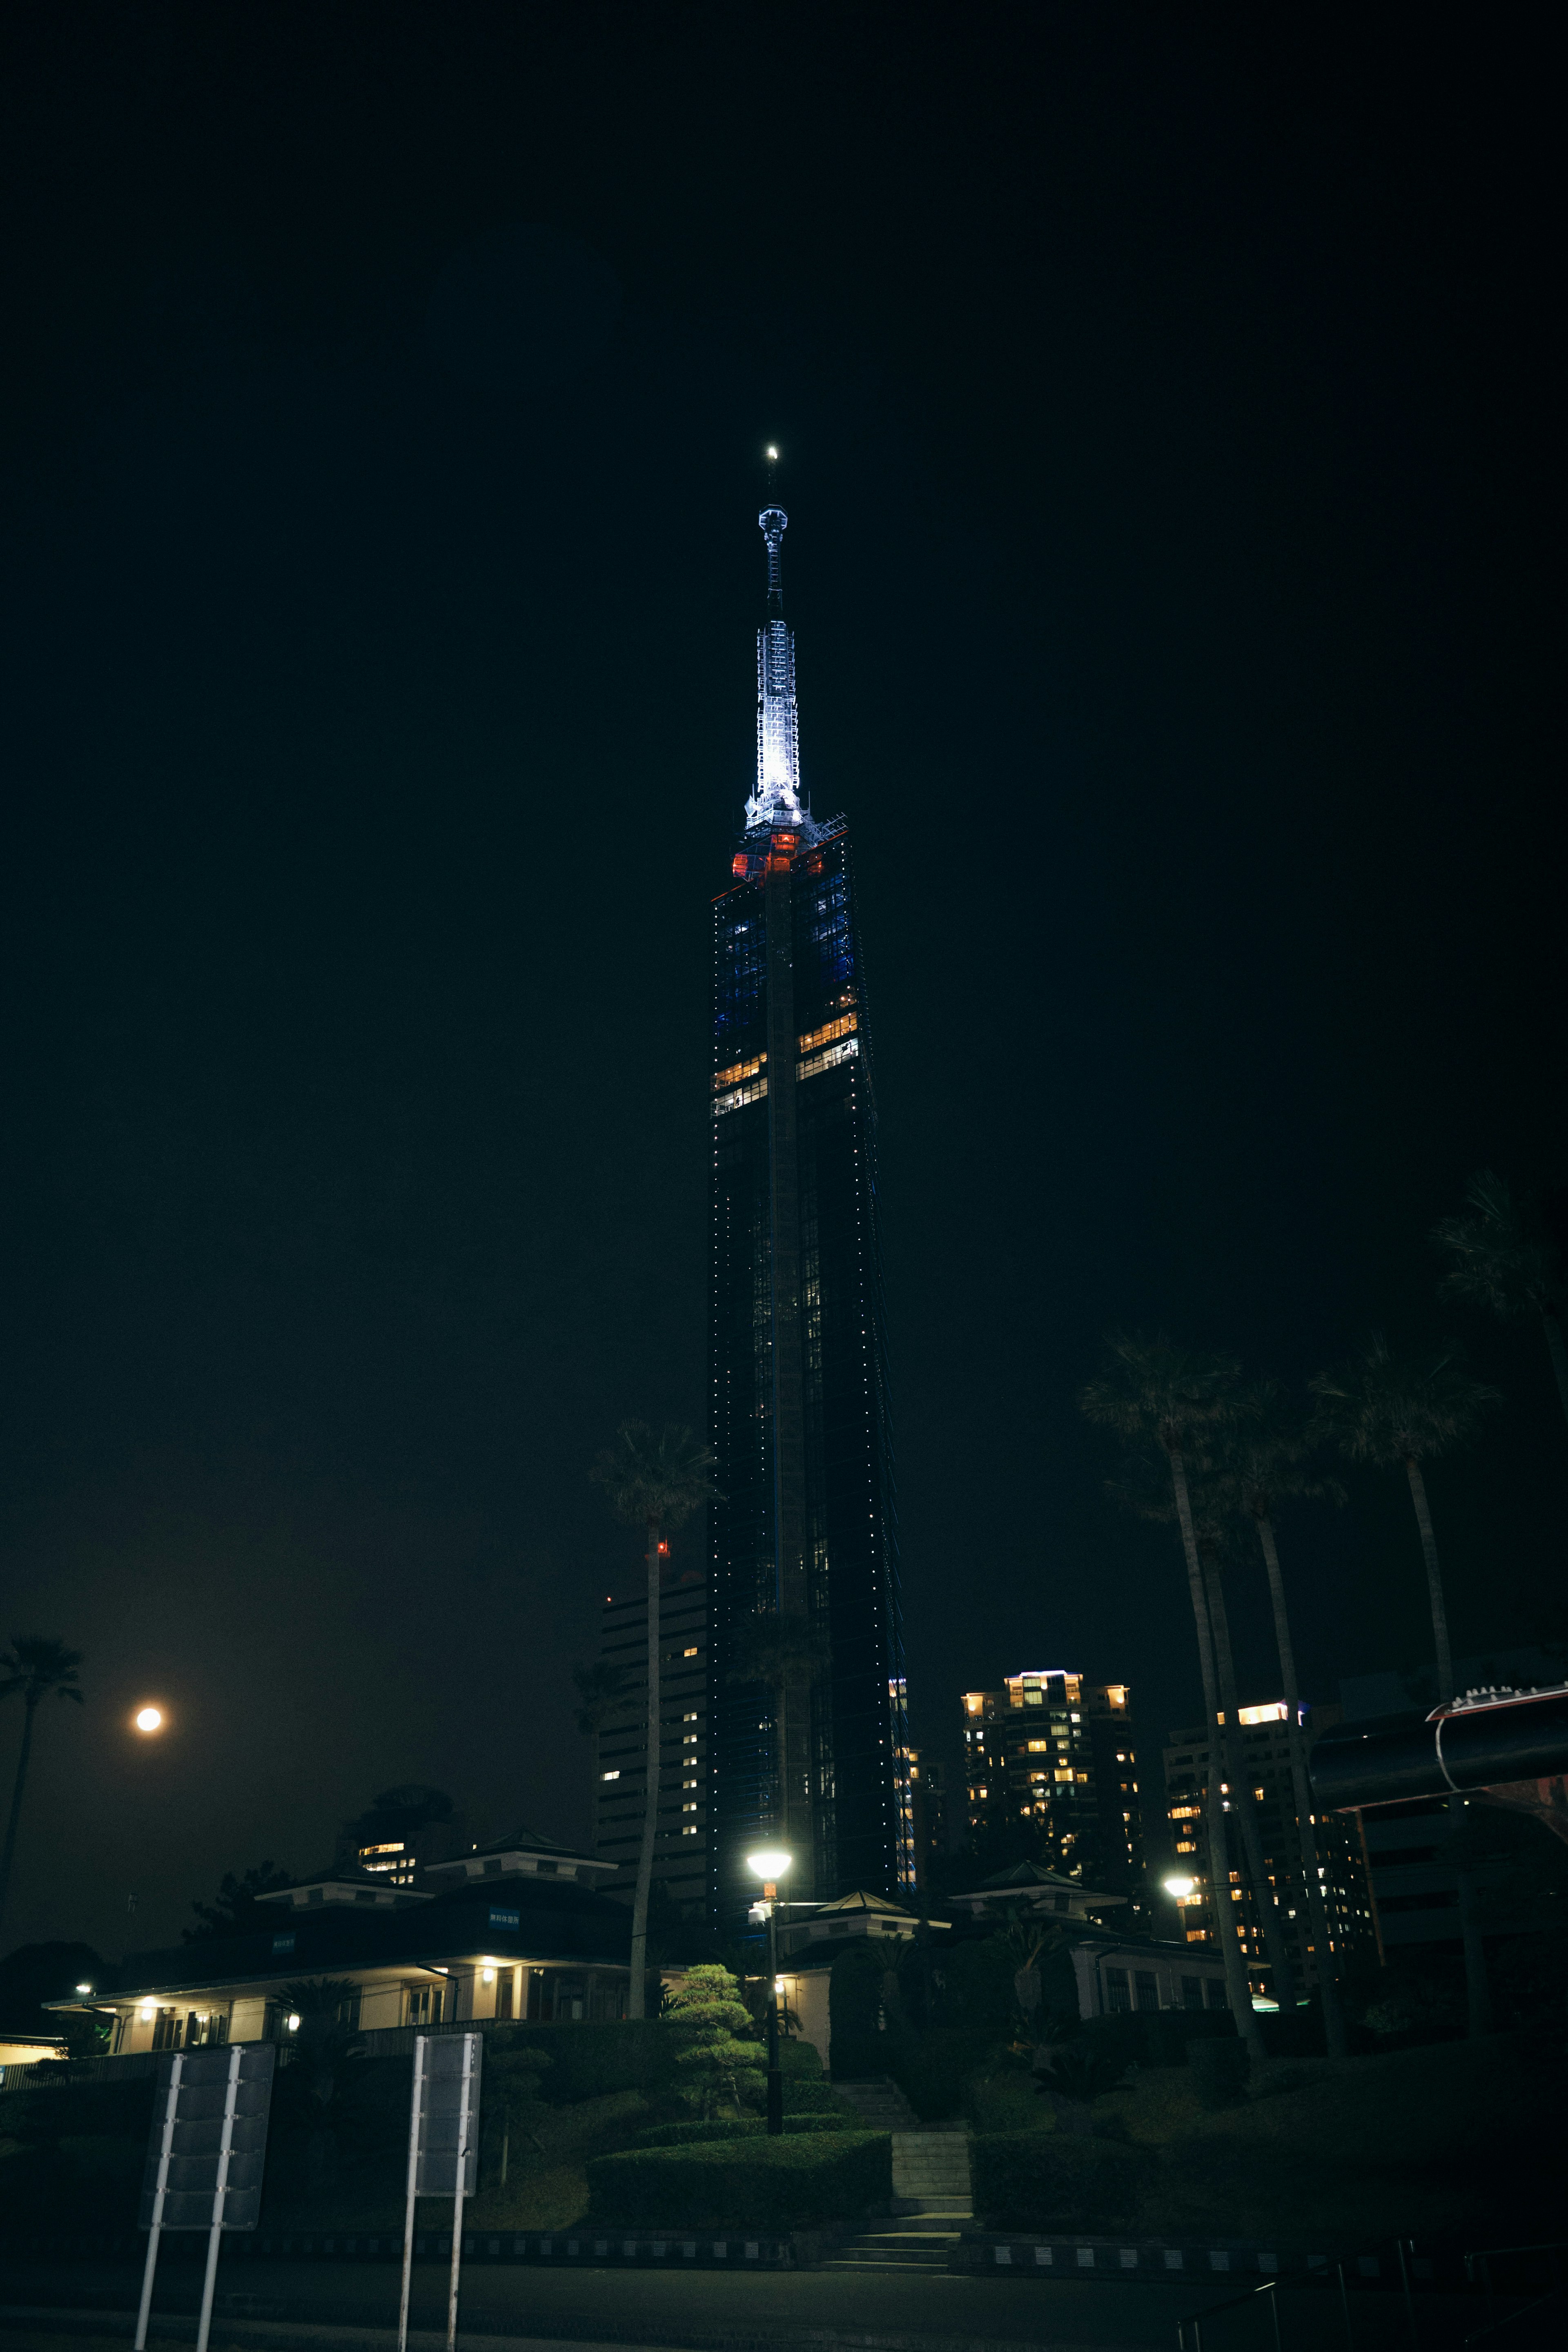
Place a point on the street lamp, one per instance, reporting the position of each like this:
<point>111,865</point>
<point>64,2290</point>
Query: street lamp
<point>1179,1887</point>
<point>770,1865</point>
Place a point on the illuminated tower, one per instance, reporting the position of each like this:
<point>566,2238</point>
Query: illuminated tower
<point>807,1723</point>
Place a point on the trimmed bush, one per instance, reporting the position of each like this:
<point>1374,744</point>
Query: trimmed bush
<point>1055,2180</point>
<point>743,2127</point>
<point>762,2184</point>
<point>596,2055</point>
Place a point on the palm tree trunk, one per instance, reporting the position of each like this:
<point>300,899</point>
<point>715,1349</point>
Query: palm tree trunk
<point>1434,1583</point>
<point>636,1990</point>
<point>1317,1908</point>
<point>1238,1990</point>
<point>1478,1987</point>
<point>1552,1326</point>
<point>1270,1919</point>
<point>21,1781</point>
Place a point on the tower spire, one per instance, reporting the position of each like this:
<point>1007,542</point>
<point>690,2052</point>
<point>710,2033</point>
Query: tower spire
<point>777,797</point>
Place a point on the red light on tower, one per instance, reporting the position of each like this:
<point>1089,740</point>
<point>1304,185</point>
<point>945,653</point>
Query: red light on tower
<point>664,1550</point>
<point>740,865</point>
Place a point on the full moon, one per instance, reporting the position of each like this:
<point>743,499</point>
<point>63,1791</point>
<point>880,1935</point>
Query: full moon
<point>148,1718</point>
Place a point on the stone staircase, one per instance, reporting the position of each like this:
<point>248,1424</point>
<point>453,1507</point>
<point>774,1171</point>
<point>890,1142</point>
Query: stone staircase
<point>880,2105</point>
<point>931,2187</point>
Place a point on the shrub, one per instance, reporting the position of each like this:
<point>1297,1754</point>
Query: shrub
<point>709,2029</point>
<point>742,2127</point>
<point>764,2184</point>
<point>1055,2180</point>
<point>1220,2070</point>
<point>586,2060</point>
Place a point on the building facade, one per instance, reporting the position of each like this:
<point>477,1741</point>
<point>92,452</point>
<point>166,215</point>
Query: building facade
<point>620,1772</point>
<point>808,1733</point>
<point>1266,1738</point>
<point>515,1929</point>
<point>1054,1757</point>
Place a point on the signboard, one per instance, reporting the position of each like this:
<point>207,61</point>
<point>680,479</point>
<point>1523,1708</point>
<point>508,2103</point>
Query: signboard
<point>206,2155</point>
<point>194,2114</point>
<point>446,2091</point>
<point>443,2151</point>
<point>499,1918</point>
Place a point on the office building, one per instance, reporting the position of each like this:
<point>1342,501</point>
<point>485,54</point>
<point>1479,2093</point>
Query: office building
<point>810,1737</point>
<point>620,1769</point>
<point>1052,1759</point>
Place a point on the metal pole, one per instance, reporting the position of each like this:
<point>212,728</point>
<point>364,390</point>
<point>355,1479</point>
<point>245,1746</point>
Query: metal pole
<point>457,2193</point>
<point>220,2190</point>
<point>775,2079</point>
<point>1345,2307</point>
<point>1274,2315</point>
<point>1405,2276</point>
<point>413,2182</point>
<point>158,2196</point>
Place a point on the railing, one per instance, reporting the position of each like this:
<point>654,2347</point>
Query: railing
<point>1195,2319</point>
<point>1478,2265</point>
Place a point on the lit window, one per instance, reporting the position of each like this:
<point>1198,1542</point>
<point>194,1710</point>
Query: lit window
<point>824,1036</point>
<point>688,1809</point>
<point>738,1096</point>
<point>689,1653</point>
<point>611,1776</point>
<point>847,1049</point>
<point>1277,1713</point>
<point>690,1719</point>
<point>738,1073</point>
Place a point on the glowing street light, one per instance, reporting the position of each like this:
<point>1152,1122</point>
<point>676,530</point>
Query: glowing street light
<point>1182,1889</point>
<point>770,1864</point>
<point>148,1718</point>
<point>84,1988</point>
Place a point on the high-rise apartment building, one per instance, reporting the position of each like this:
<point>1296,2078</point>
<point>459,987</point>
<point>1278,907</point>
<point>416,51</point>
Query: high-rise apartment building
<point>1266,1736</point>
<point>620,1768</point>
<point>806,1695</point>
<point>1053,1758</point>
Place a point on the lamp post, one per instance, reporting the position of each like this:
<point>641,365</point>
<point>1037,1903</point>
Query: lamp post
<point>770,1865</point>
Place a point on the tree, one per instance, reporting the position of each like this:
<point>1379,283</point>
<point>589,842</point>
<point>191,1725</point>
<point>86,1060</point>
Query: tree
<point>238,1909</point>
<point>1401,1413</point>
<point>327,2037</point>
<point>1145,1489</point>
<point>34,1669</point>
<point>1151,1390</point>
<point>600,1693</point>
<point>1499,1261</point>
<point>1261,1462</point>
<point>396,1814</point>
<point>712,2027</point>
<point>654,1482</point>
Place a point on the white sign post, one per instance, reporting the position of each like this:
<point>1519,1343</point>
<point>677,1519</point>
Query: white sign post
<point>205,2156</point>
<point>443,2151</point>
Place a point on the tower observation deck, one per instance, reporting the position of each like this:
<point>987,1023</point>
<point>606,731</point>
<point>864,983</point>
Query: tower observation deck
<point>808,1732</point>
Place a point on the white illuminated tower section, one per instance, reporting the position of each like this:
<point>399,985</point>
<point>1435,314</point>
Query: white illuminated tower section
<point>776,801</point>
<point>808,1737</point>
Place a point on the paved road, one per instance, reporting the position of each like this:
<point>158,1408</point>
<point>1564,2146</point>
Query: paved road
<point>713,2312</point>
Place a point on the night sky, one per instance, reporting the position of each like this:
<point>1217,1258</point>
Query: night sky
<point>1170,410</point>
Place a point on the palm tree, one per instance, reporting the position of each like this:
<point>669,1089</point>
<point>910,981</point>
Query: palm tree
<point>1152,1389</point>
<point>1397,1412</point>
<point>1387,1411</point>
<point>600,1693</point>
<point>1497,1261</point>
<point>1263,1463</point>
<point>34,1668</point>
<point>655,1482</point>
<point>1211,1551</point>
<point>1144,1488</point>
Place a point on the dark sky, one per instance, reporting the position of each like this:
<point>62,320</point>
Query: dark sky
<point>1171,407</point>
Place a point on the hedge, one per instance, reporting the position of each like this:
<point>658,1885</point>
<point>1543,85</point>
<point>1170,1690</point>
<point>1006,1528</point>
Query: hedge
<point>743,2127</point>
<point>763,2184</point>
<point>1055,2180</point>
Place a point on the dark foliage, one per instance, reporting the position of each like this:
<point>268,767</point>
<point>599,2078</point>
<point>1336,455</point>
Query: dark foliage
<point>1055,2180</point>
<point>838,2117</point>
<point>238,1909</point>
<point>1220,2069</point>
